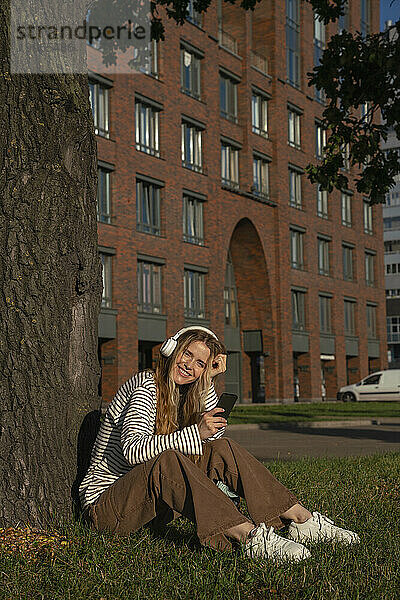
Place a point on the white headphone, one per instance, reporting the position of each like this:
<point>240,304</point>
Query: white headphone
<point>170,344</point>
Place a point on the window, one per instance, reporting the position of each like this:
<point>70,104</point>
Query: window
<point>259,114</point>
<point>365,17</point>
<point>229,165</point>
<point>192,146</point>
<point>325,324</point>
<point>260,177</point>
<point>152,68</point>
<point>293,42</point>
<point>298,310</point>
<point>392,246</point>
<point>393,293</point>
<point>319,45</point>
<point>323,256</point>
<point>293,128</point>
<point>371,321</point>
<point>103,195</point>
<point>392,268</point>
<point>349,321</point>
<point>295,188</point>
<point>190,72</point>
<point>106,298</point>
<point>149,287</point>
<point>99,102</point>
<point>228,97</point>
<point>297,249</point>
<point>393,329</point>
<point>147,128</point>
<point>194,294</point>
<point>230,304</point>
<point>346,210</point>
<point>322,203</point>
<point>259,61</point>
<point>148,207</point>
<point>343,22</point>
<point>226,40</point>
<point>393,198</point>
<point>345,149</point>
<point>365,111</point>
<point>369,269</point>
<point>320,140</point>
<point>155,58</point>
<point>193,220</point>
<point>368,218</point>
<point>230,296</point>
<point>373,380</point>
<point>193,15</point>
<point>347,252</point>
<point>391,223</point>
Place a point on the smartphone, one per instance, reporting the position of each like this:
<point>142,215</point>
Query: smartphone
<point>227,402</point>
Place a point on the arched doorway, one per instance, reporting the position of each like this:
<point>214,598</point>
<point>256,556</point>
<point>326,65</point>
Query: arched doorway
<point>249,335</point>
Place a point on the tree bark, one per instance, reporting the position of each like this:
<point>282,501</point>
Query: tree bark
<point>50,278</point>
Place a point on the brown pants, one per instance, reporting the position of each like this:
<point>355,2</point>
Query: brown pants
<point>171,483</point>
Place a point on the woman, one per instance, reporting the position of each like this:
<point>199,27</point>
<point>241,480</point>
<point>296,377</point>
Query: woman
<point>159,454</point>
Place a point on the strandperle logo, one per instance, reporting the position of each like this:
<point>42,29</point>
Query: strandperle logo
<point>49,36</point>
<point>81,32</point>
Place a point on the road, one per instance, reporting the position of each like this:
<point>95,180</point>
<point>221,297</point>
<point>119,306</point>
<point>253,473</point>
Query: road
<point>289,443</point>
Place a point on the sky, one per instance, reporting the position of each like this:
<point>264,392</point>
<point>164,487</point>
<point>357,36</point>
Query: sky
<point>390,9</point>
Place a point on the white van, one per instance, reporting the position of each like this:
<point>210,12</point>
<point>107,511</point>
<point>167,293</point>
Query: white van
<point>382,385</point>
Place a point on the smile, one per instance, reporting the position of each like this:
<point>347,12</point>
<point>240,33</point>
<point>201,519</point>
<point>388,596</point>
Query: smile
<point>182,372</point>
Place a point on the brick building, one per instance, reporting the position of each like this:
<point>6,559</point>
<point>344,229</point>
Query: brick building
<point>206,216</point>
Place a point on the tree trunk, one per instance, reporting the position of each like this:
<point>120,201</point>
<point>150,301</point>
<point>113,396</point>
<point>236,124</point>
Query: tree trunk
<point>50,278</point>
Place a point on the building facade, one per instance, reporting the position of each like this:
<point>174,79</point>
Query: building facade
<point>391,235</point>
<point>391,224</point>
<point>205,215</point>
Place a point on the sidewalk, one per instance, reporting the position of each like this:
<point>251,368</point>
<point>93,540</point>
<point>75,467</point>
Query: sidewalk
<point>316,424</point>
<point>288,441</point>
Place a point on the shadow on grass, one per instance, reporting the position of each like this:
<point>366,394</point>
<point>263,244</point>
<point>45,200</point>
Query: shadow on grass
<point>390,436</point>
<point>180,532</point>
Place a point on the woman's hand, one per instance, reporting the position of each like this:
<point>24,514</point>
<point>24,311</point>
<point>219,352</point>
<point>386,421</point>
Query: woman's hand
<point>218,365</point>
<point>210,423</point>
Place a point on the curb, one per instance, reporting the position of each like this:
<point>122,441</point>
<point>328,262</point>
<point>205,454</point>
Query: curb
<point>315,424</point>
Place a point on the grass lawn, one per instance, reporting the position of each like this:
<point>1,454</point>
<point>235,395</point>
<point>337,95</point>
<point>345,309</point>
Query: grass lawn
<point>363,493</point>
<point>318,411</point>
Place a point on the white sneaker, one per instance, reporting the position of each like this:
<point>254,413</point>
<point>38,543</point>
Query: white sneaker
<point>265,543</point>
<point>319,528</point>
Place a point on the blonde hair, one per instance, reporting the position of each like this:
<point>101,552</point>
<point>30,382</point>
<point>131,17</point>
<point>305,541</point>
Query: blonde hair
<point>181,406</point>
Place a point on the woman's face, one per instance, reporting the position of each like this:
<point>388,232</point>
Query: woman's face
<point>190,363</point>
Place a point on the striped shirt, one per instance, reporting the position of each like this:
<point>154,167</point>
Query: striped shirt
<point>126,436</point>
